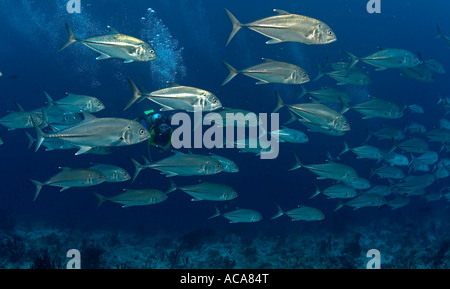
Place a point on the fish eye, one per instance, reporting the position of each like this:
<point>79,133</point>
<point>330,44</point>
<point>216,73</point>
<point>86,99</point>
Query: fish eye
<point>329,32</point>
<point>214,100</point>
<point>304,75</point>
<point>141,131</point>
<point>152,51</point>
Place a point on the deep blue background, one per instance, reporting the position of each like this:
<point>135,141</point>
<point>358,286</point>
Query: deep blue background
<point>32,32</point>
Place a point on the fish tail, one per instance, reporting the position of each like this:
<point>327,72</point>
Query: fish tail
<point>40,134</point>
<point>216,214</point>
<point>320,73</point>
<point>280,103</point>
<point>304,92</point>
<point>236,25</point>
<point>39,186</point>
<point>136,94</point>
<point>278,214</point>
<point>316,192</point>
<point>354,60</point>
<point>439,32</point>
<point>172,187</point>
<point>369,135</point>
<point>292,119</point>
<point>71,40</point>
<point>31,139</point>
<point>340,205</point>
<point>231,75</point>
<point>297,165</point>
<point>138,167</point>
<point>101,199</point>
<point>346,148</point>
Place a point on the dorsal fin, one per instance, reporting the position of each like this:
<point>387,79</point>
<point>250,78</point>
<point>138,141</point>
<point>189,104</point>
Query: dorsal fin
<point>172,84</point>
<point>281,12</point>
<point>19,107</point>
<point>112,30</point>
<point>87,116</point>
<point>267,59</point>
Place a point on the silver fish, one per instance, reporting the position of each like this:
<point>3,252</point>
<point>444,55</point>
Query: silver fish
<point>398,202</point>
<point>441,35</point>
<point>287,27</point>
<point>95,132</point>
<point>319,129</point>
<point>429,158</point>
<point>364,151</point>
<point>207,191</point>
<point>20,119</point>
<point>178,97</point>
<point>290,135</point>
<point>338,191</point>
<point>352,76</point>
<point>434,66</point>
<point>379,190</point>
<point>112,173</point>
<point>77,103</point>
<point>328,95</point>
<point>228,165</point>
<point>377,107</point>
<point>270,71</point>
<point>302,213</point>
<point>115,45</point>
<point>438,135</point>
<point>413,183</point>
<point>69,177</point>
<point>388,172</point>
<point>388,58</point>
<point>395,159</point>
<point>359,183</point>
<point>415,127</point>
<point>180,164</point>
<point>239,215</point>
<point>364,200</point>
<point>58,118</point>
<point>318,114</point>
<point>132,198</point>
<point>419,72</point>
<point>389,133</point>
<point>413,145</point>
<point>330,170</point>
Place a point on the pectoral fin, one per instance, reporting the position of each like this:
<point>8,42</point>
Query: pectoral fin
<point>103,56</point>
<point>82,150</point>
<point>273,41</point>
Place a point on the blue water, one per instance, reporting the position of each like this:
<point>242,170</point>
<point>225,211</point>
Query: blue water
<point>189,37</point>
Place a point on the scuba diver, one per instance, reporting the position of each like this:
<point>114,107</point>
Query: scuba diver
<point>159,127</point>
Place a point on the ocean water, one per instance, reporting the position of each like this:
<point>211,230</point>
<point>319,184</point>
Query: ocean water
<point>189,37</point>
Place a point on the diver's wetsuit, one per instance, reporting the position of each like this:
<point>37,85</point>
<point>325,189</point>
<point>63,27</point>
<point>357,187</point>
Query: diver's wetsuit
<point>159,128</point>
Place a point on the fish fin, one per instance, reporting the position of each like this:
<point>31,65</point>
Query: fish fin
<point>267,60</point>
<point>128,61</point>
<point>231,75</point>
<point>379,69</point>
<point>216,214</point>
<point>112,30</point>
<point>346,148</point>
<point>316,192</point>
<point>31,140</point>
<point>138,168</point>
<point>169,175</point>
<point>136,94</point>
<point>304,92</point>
<point>71,40</point>
<point>19,107</point>
<point>340,205</point>
<point>172,187</point>
<point>40,134</point>
<point>354,60</point>
<point>273,41</point>
<point>297,165</point>
<point>236,26</point>
<point>281,12</point>
<point>172,84</point>
<point>39,186</point>
<point>83,149</point>
<point>367,117</point>
<point>280,103</point>
<point>64,188</point>
<point>196,199</point>
<point>103,56</point>
<point>101,199</point>
<point>278,214</point>
<point>165,108</point>
<point>262,82</point>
